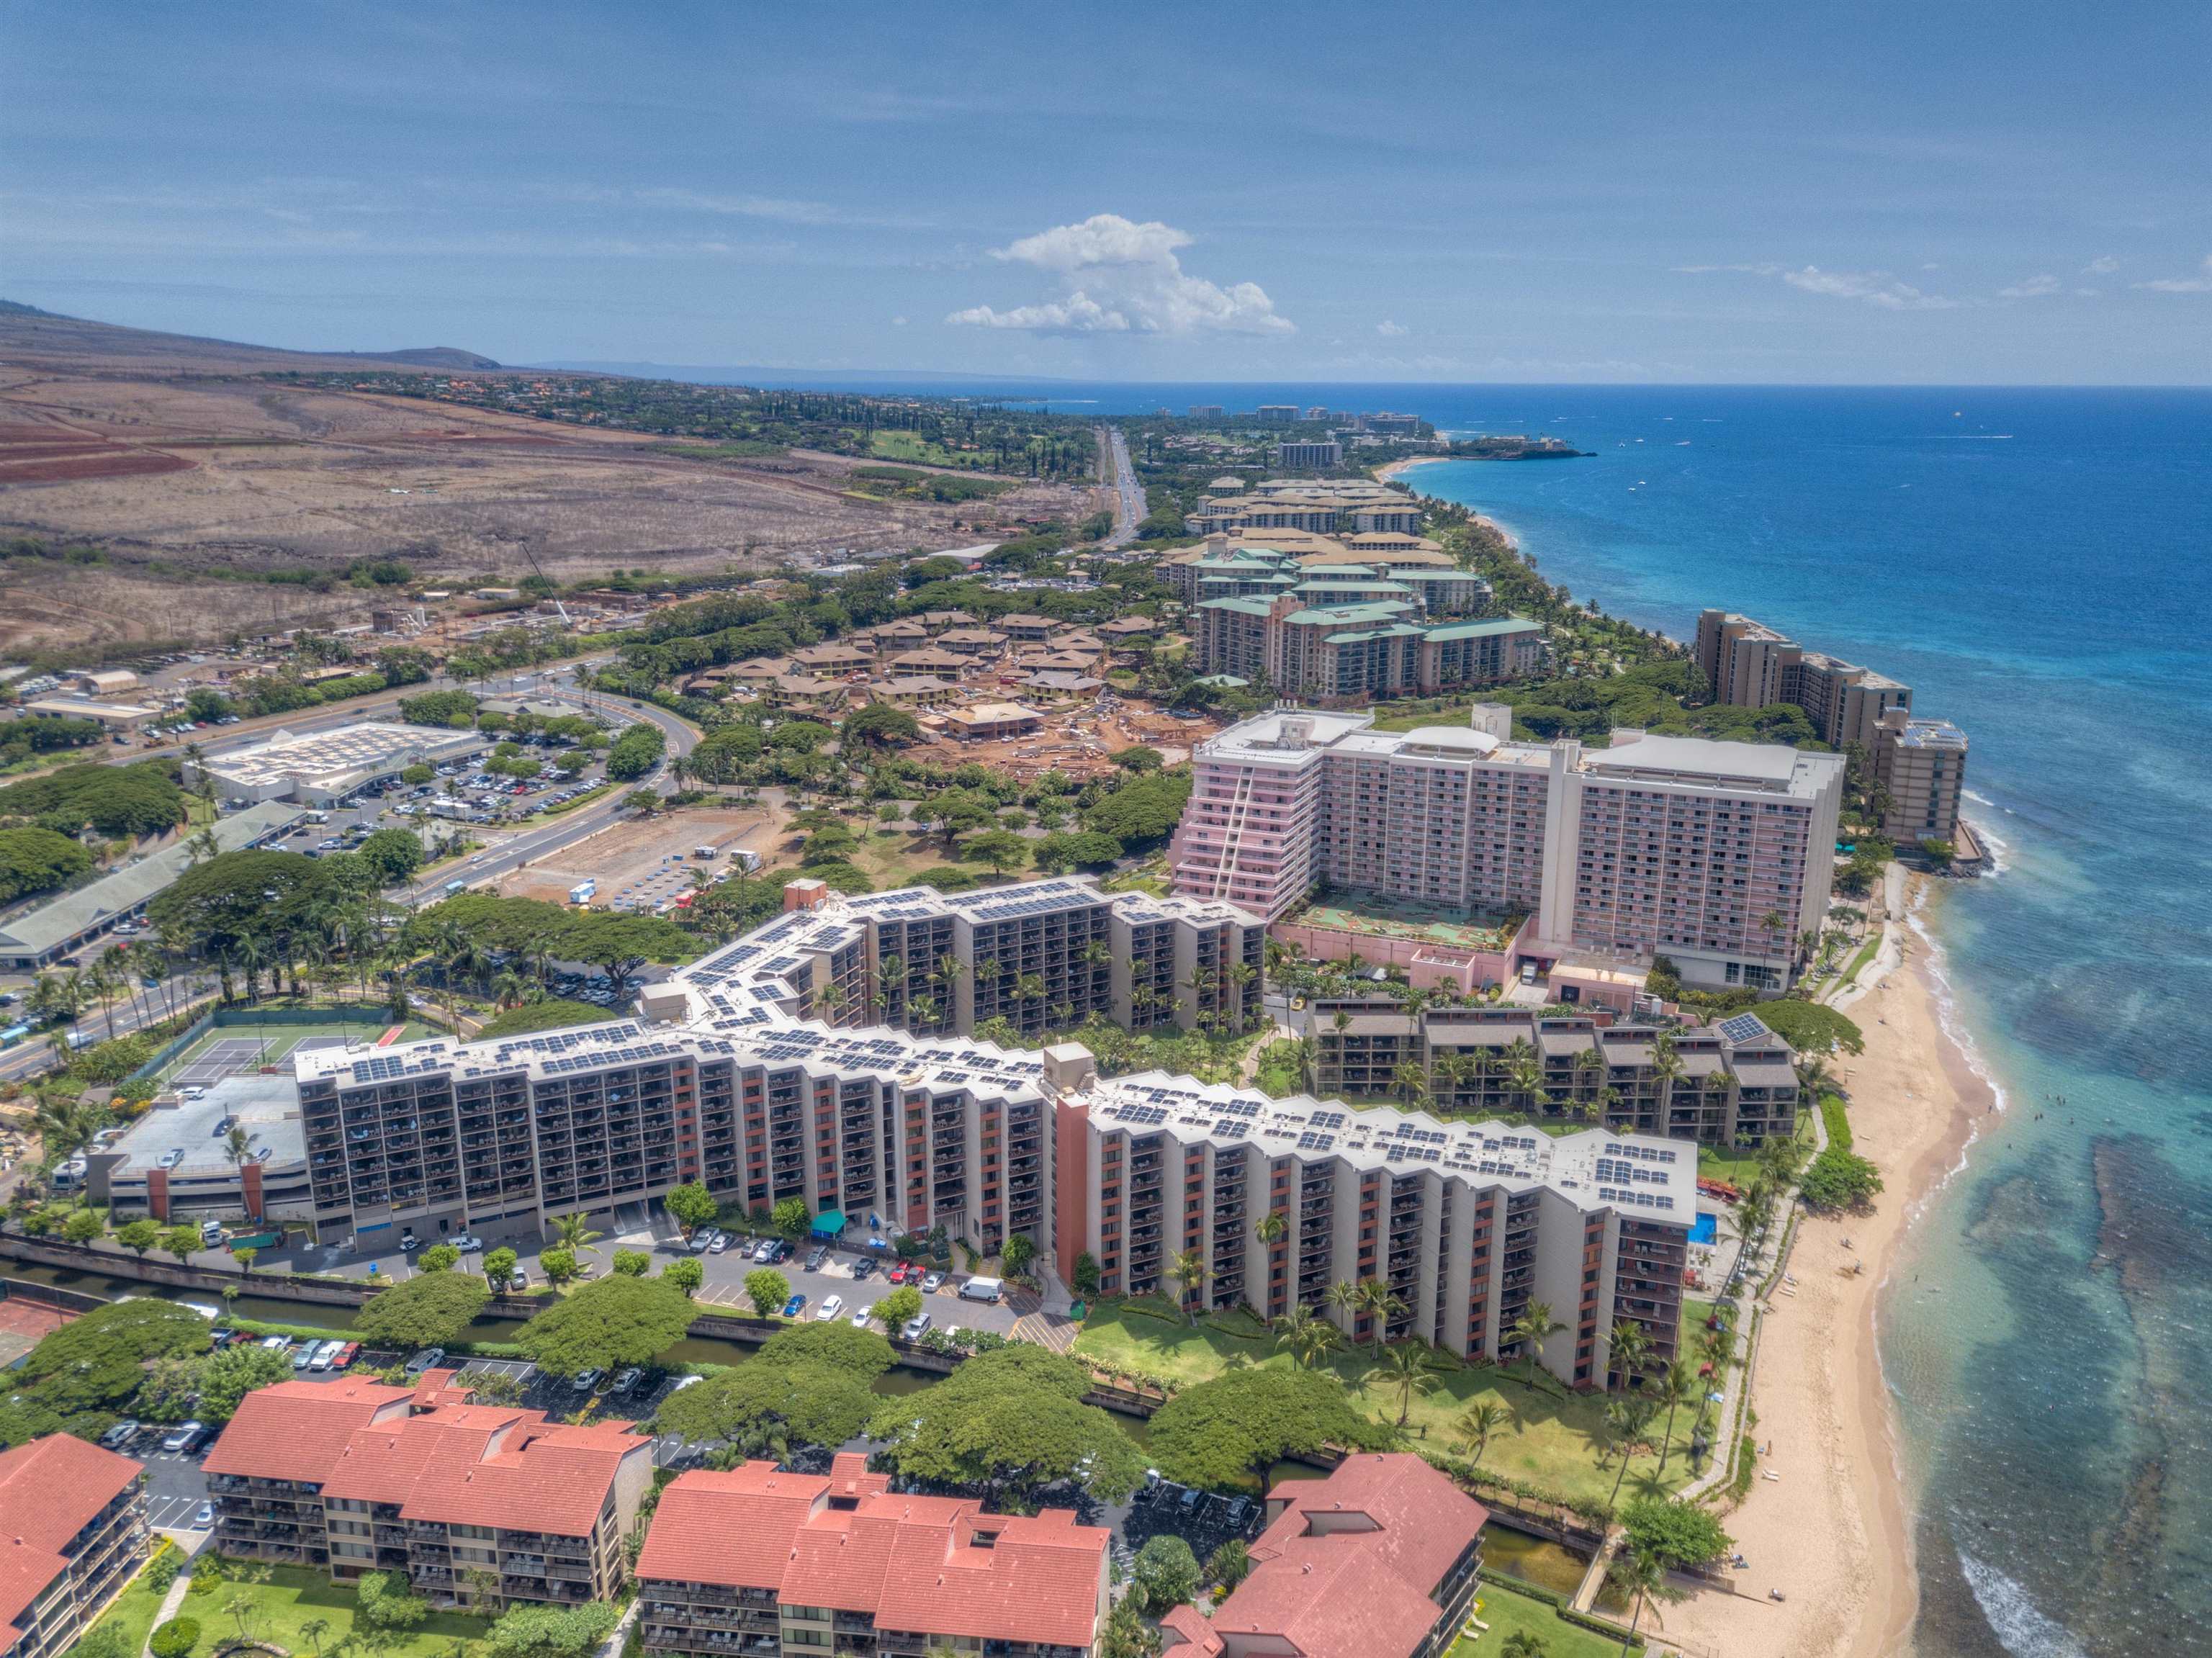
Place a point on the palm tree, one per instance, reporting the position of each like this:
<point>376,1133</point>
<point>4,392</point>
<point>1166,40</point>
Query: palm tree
<point>1187,1269</point>
<point>1412,1081</point>
<point>1378,1303</point>
<point>314,1628</point>
<point>1642,1579</point>
<point>1475,1425</point>
<point>1627,1419</point>
<point>1405,1369</point>
<point>1678,1384</point>
<point>1304,1335</point>
<point>1631,1349</point>
<point>1529,1332</point>
<point>573,1232</point>
<point>1343,1299</point>
<point>1524,1075</point>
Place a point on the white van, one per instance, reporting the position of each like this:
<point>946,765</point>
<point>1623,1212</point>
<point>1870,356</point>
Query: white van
<point>983,1289</point>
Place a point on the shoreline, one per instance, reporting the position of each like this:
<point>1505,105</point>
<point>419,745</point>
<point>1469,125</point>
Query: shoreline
<point>1833,1532</point>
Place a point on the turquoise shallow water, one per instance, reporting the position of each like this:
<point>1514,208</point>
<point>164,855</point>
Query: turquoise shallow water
<point>2034,564</point>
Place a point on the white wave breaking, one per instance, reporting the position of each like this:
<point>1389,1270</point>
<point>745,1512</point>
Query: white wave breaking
<point>2023,1630</point>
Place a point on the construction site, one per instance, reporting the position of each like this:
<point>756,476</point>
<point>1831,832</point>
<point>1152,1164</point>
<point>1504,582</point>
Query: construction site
<point>646,865</point>
<point>1079,741</point>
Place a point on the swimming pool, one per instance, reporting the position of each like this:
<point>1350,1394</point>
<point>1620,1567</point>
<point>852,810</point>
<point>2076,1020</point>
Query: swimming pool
<point>1706,1229</point>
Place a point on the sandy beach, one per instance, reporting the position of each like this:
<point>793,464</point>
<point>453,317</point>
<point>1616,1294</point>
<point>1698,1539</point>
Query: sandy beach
<point>1832,1532</point>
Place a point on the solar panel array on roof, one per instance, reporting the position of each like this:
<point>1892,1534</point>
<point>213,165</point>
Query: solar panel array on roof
<point>1744,1027</point>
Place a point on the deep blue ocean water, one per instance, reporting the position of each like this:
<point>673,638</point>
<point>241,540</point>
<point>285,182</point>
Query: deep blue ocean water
<point>2037,565</point>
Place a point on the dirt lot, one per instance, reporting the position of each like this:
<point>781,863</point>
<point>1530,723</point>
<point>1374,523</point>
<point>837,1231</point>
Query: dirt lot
<point>154,454</point>
<point>644,861</point>
<point>1080,741</point>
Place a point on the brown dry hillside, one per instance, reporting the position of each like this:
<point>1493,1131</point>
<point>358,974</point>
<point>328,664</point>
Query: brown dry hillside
<point>158,448</point>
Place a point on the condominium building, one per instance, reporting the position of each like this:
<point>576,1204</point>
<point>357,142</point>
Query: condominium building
<point>1310,454</point>
<point>1749,665</point>
<point>726,1083</point>
<point>758,1560</point>
<point>1732,1085</point>
<point>479,1505</point>
<point>1354,637</point>
<point>76,1532</point>
<point>1467,1224</point>
<point>1921,766</point>
<point>1380,1560</point>
<point>1714,855</point>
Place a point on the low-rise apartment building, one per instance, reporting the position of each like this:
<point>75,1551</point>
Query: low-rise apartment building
<point>1714,855</point>
<point>480,1505</point>
<point>1380,1560</point>
<point>1732,1085</point>
<point>76,1531</point>
<point>758,1560</point>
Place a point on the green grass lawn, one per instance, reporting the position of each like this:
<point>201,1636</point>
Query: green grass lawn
<point>922,451</point>
<point>1552,1438</point>
<point>294,1596</point>
<point>1508,1613</point>
<point>133,1611</point>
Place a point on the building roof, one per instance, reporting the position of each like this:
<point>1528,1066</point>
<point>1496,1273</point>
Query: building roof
<point>267,1108</point>
<point>930,1564</point>
<point>60,919</point>
<point>1490,630</point>
<point>1347,1567</point>
<point>49,1490</point>
<point>427,1451</point>
<point>338,759</point>
<point>298,1429</point>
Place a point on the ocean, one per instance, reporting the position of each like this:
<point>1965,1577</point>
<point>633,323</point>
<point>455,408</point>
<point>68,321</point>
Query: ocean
<point>2037,564</point>
<point>2033,563</point>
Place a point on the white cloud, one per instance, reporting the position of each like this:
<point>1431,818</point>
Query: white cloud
<point>1876,288</point>
<point>2183,284</point>
<point>1391,330</point>
<point>2101,267</point>
<point>898,322</point>
<point>2034,287</point>
<point>1117,277</point>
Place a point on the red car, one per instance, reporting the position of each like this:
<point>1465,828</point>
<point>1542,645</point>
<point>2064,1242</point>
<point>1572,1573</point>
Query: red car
<point>898,1274</point>
<point>346,1355</point>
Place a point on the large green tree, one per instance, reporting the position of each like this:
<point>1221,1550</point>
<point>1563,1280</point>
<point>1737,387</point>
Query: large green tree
<point>428,1310</point>
<point>764,1403</point>
<point>611,1322</point>
<point>1009,1422</point>
<point>1228,1432</point>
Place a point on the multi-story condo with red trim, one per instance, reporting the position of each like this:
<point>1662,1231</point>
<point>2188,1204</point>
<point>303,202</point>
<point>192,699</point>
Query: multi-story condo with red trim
<point>479,1505</point>
<point>1714,855</point>
<point>76,1519</point>
<point>758,1560</point>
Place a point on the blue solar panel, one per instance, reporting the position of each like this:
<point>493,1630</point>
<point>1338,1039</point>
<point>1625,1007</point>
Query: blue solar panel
<point>1744,1027</point>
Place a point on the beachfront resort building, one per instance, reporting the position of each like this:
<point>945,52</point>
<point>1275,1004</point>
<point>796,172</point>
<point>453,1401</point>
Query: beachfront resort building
<point>1381,1560</point>
<point>726,1080</point>
<point>1713,854</point>
<point>76,1518</point>
<point>1921,766</point>
<point>480,1505</point>
<point>758,1559</point>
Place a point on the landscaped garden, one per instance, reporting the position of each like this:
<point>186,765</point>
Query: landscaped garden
<point>1550,1439</point>
<point>303,1612</point>
<point>1509,1612</point>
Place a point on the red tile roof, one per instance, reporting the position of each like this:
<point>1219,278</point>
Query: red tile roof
<point>933,1564</point>
<point>1188,1626</point>
<point>460,1464</point>
<point>49,1490</point>
<point>1346,1569</point>
<point>296,1430</point>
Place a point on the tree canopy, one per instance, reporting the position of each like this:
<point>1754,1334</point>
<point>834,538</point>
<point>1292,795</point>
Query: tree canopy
<point>764,1404</point>
<point>611,1322</point>
<point>1228,1432</point>
<point>38,860</point>
<point>1011,1422</point>
<point>1674,1533</point>
<point>74,1378</point>
<point>428,1311</point>
<point>1811,1029</point>
<point>529,1631</point>
<point>134,800</point>
<point>839,1346</point>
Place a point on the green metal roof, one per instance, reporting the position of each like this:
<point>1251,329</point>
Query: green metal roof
<point>1242,606</point>
<point>1324,615</point>
<point>1496,625</point>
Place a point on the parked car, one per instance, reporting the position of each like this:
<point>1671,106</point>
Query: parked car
<point>468,1243</point>
<point>817,1256</point>
<point>276,1343</point>
<point>303,1356</point>
<point>121,1434</point>
<point>719,1243</point>
<point>796,1305</point>
<point>764,1249</point>
<point>185,1438</point>
<point>932,1282</point>
<point>409,1241</point>
<point>898,1274</point>
<point>425,1360</point>
<point>204,1516</point>
<point>831,1309</point>
<point>864,1267</point>
<point>628,1379</point>
<point>347,1353</point>
<point>703,1240</point>
<point>326,1355</point>
<point>583,1381</point>
<point>859,1318</point>
<point>916,1327</point>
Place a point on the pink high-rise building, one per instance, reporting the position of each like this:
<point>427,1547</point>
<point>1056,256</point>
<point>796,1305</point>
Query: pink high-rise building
<point>1711,854</point>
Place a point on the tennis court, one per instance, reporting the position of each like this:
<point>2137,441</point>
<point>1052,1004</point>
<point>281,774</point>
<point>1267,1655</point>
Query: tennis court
<point>232,1049</point>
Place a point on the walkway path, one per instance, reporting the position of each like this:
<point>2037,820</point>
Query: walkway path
<point>175,1598</point>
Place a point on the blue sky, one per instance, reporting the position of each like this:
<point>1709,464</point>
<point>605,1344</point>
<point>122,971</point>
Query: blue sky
<point>1955,193</point>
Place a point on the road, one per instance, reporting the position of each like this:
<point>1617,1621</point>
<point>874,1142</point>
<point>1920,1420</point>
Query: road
<point>1129,493</point>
